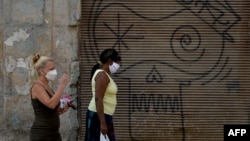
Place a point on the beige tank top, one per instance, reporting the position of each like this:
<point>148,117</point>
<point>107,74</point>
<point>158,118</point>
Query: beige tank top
<point>109,100</point>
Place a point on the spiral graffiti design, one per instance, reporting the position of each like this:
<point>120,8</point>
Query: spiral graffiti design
<point>186,41</point>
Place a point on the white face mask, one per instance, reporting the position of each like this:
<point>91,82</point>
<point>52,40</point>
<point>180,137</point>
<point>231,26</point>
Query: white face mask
<point>51,75</point>
<point>114,67</point>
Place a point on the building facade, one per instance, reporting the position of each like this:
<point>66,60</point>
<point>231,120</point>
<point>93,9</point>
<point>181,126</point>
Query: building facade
<point>28,27</point>
<point>184,74</point>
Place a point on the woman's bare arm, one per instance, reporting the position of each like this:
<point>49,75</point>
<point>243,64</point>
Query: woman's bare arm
<point>39,92</point>
<point>102,81</point>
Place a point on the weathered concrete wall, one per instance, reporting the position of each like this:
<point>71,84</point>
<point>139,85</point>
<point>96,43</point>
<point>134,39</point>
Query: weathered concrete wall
<point>28,27</point>
<point>1,66</point>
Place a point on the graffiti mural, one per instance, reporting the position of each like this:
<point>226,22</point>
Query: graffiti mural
<point>169,60</point>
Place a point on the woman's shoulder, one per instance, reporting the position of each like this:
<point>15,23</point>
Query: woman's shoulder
<point>101,74</point>
<point>100,71</point>
<point>36,89</point>
<point>36,85</point>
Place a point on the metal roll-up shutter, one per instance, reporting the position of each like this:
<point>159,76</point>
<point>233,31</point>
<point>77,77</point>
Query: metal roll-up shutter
<point>185,66</point>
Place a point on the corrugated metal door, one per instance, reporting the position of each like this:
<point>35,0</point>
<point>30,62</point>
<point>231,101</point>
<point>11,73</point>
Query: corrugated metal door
<point>185,66</point>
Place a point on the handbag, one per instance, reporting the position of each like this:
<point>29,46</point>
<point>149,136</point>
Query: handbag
<point>104,137</point>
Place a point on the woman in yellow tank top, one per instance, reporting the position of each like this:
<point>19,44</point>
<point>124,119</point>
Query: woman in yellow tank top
<point>103,103</point>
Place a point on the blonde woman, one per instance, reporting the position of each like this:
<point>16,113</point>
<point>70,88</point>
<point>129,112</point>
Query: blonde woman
<point>45,101</point>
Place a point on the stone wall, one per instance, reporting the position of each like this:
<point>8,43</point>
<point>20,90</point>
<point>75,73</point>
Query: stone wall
<point>28,27</point>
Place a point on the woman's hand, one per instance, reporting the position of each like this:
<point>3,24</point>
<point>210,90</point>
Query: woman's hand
<point>64,81</point>
<point>64,109</point>
<point>104,128</point>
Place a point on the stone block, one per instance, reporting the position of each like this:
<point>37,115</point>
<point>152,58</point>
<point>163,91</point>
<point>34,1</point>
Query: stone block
<point>18,42</point>
<point>75,11</point>
<point>18,113</point>
<point>48,17</point>
<point>1,97</point>
<point>69,125</point>
<point>68,13</point>
<point>1,81</point>
<point>1,11</point>
<point>74,77</point>
<point>1,29</point>
<point>1,44</point>
<point>63,45</point>
<point>20,80</point>
<point>28,11</point>
<point>61,12</point>
<point>18,36</point>
<point>27,40</point>
<point>75,73</point>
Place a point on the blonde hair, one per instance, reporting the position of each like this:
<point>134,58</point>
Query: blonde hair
<point>38,62</point>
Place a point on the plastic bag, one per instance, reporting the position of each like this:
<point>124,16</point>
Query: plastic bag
<point>104,137</point>
<point>66,100</point>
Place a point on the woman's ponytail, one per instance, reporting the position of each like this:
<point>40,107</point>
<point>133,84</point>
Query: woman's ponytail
<point>94,68</point>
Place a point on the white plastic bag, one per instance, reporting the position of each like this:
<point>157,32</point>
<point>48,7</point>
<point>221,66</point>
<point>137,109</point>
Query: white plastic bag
<point>104,137</point>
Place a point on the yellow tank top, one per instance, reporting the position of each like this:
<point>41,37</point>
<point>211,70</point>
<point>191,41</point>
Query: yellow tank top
<point>109,99</point>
